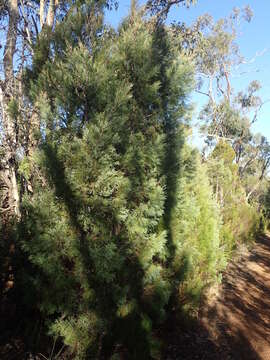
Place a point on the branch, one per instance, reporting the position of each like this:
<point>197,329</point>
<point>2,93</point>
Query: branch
<point>11,38</point>
<point>160,8</point>
<point>264,168</point>
<point>253,190</point>
<point>219,137</point>
<point>3,210</point>
<point>210,91</point>
<point>35,25</point>
<point>250,161</point>
<point>203,93</point>
<point>257,111</point>
<point>228,83</point>
<point>2,85</point>
<point>218,86</point>
<point>258,54</point>
<point>26,23</point>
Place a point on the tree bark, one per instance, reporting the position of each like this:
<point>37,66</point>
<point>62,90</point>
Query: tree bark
<point>11,133</point>
<point>41,13</point>
<point>10,129</point>
<point>51,12</point>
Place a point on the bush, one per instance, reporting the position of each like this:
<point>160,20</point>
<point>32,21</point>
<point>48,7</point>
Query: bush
<point>198,255</point>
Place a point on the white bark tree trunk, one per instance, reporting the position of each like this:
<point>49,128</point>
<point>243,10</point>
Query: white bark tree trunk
<point>9,125</point>
<point>10,136</point>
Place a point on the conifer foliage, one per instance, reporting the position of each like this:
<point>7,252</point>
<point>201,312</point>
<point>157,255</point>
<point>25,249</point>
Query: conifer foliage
<point>196,223</point>
<point>93,229</point>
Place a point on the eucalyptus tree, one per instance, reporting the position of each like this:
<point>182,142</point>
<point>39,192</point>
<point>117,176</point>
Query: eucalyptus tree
<point>226,115</point>
<point>21,24</point>
<point>26,27</point>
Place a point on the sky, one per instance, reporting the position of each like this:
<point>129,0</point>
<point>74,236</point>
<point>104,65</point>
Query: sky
<point>253,41</point>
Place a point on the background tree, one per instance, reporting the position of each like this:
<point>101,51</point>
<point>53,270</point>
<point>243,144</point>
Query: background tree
<point>25,28</point>
<point>240,219</point>
<point>196,226</point>
<point>226,116</point>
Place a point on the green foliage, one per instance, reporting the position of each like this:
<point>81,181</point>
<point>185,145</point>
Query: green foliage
<point>13,108</point>
<point>93,226</point>
<point>25,168</point>
<point>240,219</point>
<point>198,256</point>
<point>79,333</point>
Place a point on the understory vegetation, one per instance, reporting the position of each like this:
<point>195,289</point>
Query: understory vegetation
<point>110,218</point>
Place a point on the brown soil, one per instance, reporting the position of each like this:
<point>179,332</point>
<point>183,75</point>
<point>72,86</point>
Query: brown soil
<point>234,323</point>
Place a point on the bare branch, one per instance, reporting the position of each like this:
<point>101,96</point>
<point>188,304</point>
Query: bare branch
<point>162,7</point>
<point>257,111</point>
<point>219,87</point>
<point>3,210</point>
<point>219,137</point>
<point>203,93</point>
<point>26,23</point>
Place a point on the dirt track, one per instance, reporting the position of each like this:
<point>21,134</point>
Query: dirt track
<point>239,319</point>
<point>235,324</point>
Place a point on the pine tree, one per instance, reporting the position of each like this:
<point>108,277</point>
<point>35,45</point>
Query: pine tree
<point>93,227</point>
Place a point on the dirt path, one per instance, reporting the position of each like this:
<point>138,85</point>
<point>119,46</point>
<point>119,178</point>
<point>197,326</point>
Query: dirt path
<point>235,324</point>
<point>239,317</point>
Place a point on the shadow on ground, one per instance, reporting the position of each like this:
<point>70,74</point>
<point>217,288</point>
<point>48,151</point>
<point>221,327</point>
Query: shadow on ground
<point>236,323</point>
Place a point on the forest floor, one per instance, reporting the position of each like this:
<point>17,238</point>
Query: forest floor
<point>234,322</point>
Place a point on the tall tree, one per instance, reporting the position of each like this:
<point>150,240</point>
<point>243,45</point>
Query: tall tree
<point>226,115</point>
<point>112,114</point>
<point>26,28</point>
<point>19,29</point>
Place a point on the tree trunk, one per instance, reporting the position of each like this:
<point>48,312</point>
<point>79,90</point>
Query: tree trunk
<point>11,138</point>
<point>9,124</point>
<point>51,11</point>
